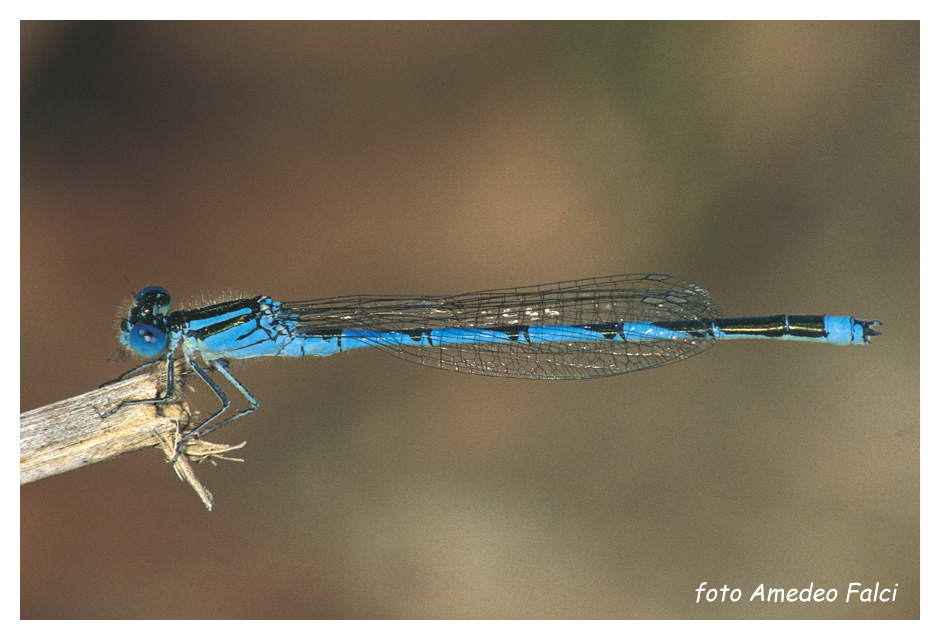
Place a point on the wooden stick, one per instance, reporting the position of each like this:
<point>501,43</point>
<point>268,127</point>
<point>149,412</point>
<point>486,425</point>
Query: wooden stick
<point>72,433</point>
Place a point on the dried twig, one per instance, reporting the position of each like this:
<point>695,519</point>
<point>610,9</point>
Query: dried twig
<point>72,433</point>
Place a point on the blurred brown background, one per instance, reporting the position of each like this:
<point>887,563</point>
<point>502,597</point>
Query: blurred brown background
<point>776,164</point>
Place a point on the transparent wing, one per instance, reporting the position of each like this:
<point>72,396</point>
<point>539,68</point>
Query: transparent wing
<point>614,299</point>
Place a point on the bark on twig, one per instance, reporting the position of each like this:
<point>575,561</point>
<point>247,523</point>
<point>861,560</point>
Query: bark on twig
<point>73,433</point>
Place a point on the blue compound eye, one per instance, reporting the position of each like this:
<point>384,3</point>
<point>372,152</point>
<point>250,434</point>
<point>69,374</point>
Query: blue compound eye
<point>153,300</point>
<point>146,340</point>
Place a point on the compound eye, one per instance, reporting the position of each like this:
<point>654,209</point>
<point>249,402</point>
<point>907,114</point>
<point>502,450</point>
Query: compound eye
<point>146,340</point>
<point>154,300</point>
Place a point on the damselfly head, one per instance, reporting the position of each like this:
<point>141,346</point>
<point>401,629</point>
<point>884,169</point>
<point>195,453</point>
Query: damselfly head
<point>144,330</point>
